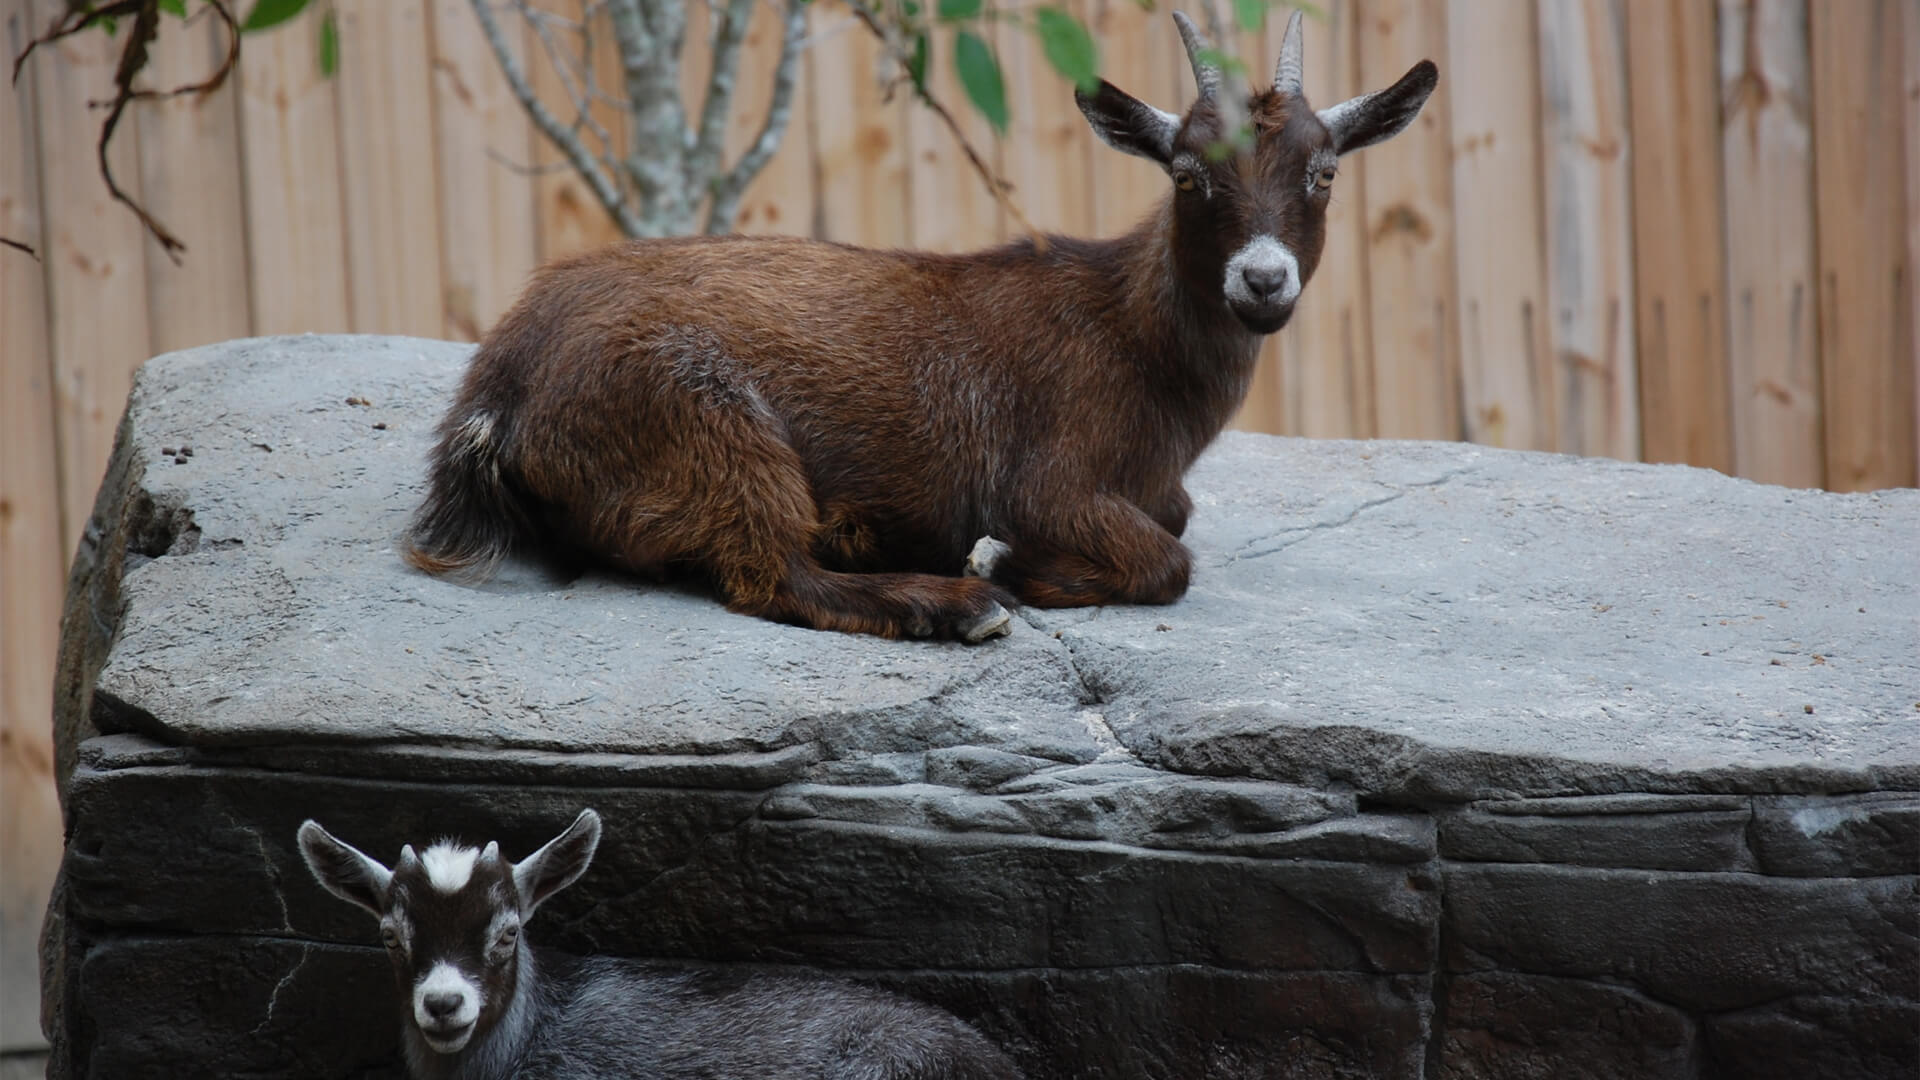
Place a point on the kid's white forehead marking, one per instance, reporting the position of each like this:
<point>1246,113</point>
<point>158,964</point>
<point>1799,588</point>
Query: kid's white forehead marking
<point>449,868</point>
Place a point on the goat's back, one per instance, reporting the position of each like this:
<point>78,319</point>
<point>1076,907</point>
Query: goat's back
<point>608,1018</point>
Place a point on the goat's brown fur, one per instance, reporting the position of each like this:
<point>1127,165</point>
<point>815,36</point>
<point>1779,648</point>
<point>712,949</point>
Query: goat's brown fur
<point>823,431</point>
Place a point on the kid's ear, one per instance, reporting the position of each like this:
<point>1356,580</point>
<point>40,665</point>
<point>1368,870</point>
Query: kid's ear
<point>344,870</point>
<point>1128,124</point>
<point>1376,117</point>
<point>559,863</point>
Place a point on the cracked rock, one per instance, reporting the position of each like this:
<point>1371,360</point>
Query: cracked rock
<point>1453,762</point>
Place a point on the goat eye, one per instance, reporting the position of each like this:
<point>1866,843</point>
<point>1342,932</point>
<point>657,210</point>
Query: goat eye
<point>1183,180</point>
<point>389,938</point>
<point>1323,179</point>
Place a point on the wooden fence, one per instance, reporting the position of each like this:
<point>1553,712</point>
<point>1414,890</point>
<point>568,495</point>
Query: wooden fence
<point>1671,230</point>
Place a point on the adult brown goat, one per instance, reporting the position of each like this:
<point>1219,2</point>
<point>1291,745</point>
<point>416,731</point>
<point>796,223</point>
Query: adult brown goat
<point>829,434</point>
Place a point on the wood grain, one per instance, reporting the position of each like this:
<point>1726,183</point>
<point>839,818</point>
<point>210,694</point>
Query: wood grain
<point>953,209</point>
<point>1410,232</point>
<point>32,561</point>
<point>1327,351</point>
<point>781,198</point>
<point>387,169</point>
<point>860,140</point>
<point>1679,246</point>
<point>1866,318</point>
<point>488,240</point>
<point>1048,150</point>
<point>295,220</point>
<point>190,178</point>
<point>1767,143</point>
<point>1587,196</point>
<point>95,260</point>
<point>1506,369</point>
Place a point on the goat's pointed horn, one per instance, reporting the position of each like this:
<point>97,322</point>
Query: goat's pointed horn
<point>1287,73</point>
<point>1205,75</point>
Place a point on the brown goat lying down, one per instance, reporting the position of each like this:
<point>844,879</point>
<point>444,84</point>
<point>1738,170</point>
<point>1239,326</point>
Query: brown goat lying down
<point>829,434</point>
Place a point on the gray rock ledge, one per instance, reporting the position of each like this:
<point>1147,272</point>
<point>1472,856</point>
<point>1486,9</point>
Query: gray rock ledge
<point>1455,762</point>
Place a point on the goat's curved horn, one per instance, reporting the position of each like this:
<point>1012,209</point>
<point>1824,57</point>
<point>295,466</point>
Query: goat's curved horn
<point>1205,75</point>
<point>1286,74</point>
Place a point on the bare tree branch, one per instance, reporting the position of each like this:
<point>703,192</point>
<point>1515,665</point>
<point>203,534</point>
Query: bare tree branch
<point>728,189</point>
<point>729,30</point>
<point>568,141</point>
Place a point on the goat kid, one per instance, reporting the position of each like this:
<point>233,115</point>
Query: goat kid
<point>481,1003</point>
<point>827,433</point>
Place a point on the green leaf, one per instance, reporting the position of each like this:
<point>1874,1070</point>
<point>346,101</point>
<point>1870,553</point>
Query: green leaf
<point>1228,63</point>
<point>268,13</point>
<point>329,45</point>
<point>1069,48</point>
<point>108,23</point>
<point>174,7</point>
<point>917,63</point>
<point>980,76</point>
<point>952,10</point>
<point>1251,13</point>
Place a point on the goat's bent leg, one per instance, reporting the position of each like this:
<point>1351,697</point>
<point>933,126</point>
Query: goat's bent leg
<point>1107,551</point>
<point>736,501</point>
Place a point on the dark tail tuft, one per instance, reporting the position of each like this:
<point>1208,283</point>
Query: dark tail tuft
<point>472,518</point>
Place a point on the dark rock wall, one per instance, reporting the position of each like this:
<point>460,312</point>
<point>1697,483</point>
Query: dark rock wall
<point>1096,921</point>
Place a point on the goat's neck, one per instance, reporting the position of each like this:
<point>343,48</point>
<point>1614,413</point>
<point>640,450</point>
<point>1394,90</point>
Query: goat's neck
<point>495,1055</point>
<point>1196,356</point>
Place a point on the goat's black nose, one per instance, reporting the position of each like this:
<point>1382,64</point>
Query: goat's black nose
<point>1264,281</point>
<point>441,1006</point>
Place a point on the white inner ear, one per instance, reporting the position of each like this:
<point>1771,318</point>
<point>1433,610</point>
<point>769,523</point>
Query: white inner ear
<point>1158,129</point>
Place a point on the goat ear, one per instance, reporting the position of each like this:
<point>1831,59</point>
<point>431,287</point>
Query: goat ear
<point>558,864</point>
<point>1128,124</point>
<point>344,870</point>
<point>1375,117</point>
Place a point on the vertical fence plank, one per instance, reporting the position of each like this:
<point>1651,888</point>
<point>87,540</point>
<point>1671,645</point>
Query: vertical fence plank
<point>1773,357</point>
<point>1505,368</point>
<point>487,234</point>
<point>295,220</point>
<point>1264,409</point>
<point>1589,221</point>
<point>1678,243</point>
<point>32,561</point>
<point>860,140</point>
<point>1910,33</point>
<point>1048,151</point>
<point>190,178</point>
<point>953,210</point>
<point>1410,233</point>
<point>781,198</point>
<point>568,216</point>
<point>1140,53</point>
<point>1866,352</point>
<point>1327,351</point>
<point>95,259</point>
<point>387,168</point>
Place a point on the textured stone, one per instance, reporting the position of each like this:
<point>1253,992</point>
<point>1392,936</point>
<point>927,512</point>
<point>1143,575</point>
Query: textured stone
<point>1654,832</point>
<point>1497,764</point>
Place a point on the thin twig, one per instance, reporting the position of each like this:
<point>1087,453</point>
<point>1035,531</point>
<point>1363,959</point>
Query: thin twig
<point>18,246</point>
<point>568,142</point>
<point>728,189</point>
<point>998,187</point>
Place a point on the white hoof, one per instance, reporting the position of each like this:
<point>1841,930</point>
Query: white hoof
<point>995,623</point>
<point>986,552</point>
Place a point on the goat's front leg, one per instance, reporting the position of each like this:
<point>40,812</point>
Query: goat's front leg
<point>1107,551</point>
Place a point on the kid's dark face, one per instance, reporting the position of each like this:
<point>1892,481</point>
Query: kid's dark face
<point>452,930</point>
<point>1252,223</point>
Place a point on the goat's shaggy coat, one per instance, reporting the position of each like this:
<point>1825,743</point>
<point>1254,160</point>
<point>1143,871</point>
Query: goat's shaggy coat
<point>483,1004</point>
<point>824,432</point>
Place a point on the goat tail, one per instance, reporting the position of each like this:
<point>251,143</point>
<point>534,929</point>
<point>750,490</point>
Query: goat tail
<point>472,517</point>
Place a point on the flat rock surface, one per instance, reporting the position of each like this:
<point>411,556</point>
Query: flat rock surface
<point>1417,619</point>
<point>1454,762</point>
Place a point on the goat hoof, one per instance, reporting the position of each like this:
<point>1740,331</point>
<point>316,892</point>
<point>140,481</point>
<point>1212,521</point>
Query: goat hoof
<point>997,622</point>
<point>985,554</point>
